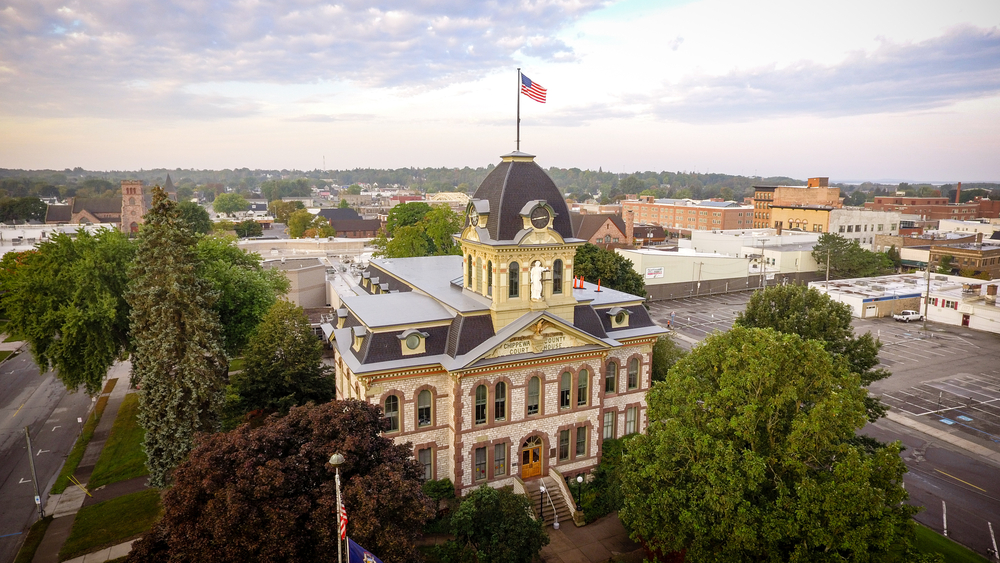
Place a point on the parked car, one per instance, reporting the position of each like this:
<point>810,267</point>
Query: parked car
<point>908,315</point>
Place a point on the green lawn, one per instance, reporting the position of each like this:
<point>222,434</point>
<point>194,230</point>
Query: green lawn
<point>34,539</point>
<point>929,541</point>
<point>74,457</point>
<point>5,354</point>
<point>122,457</point>
<point>111,522</point>
<point>236,365</point>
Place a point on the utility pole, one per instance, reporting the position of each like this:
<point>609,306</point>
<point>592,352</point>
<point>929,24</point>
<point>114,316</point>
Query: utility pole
<point>828,271</point>
<point>34,477</point>
<point>927,294</point>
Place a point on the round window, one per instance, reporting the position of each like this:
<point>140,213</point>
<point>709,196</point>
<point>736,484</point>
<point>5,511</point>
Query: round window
<point>620,318</point>
<point>413,341</point>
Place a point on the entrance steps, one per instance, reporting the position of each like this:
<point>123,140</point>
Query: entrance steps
<point>552,499</point>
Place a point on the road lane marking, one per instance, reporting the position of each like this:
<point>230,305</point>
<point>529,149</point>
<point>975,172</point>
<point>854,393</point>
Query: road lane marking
<point>961,481</point>
<point>18,409</point>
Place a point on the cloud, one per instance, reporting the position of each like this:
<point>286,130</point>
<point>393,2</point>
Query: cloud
<point>324,118</point>
<point>74,56</point>
<point>962,64</point>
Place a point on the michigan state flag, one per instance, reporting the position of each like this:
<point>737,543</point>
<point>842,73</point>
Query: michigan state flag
<point>358,554</point>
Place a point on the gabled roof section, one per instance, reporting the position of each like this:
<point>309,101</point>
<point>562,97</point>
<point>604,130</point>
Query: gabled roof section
<point>58,214</point>
<point>586,225</point>
<point>340,214</point>
<point>513,183</point>
<point>98,205</point>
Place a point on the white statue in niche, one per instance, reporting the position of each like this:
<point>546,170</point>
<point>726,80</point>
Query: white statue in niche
<point>536,280</point>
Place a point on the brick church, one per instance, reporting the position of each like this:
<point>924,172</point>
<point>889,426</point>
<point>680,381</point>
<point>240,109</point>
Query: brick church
<point>498,365</point>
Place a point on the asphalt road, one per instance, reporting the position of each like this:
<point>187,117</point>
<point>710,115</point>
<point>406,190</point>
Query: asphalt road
<point>50,412</point>
<point>939,473</point>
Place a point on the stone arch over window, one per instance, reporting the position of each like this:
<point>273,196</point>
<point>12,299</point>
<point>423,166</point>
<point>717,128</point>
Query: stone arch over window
<point>514,281</point>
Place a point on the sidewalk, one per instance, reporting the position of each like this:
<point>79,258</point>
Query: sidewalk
<point>64,506</point>
<point>945,436</point>
<point>596,542</point>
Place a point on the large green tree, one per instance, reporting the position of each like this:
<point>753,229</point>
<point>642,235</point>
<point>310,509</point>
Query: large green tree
<point>178,363</point>
<point>245,289</point>
<point>195,216</point>
<point>284,367</point>
<point>848,260</point>
<point>267,494</point>
<point>230,203</point>
<point>283,209</point>
<point>666,353</point>
<point>248,228</point>
<point>811,314</point>
<point>67,301</point>
<point>494,526</point>
<point>417,229</point>
<point>612,269</point>
<point>751,456</point>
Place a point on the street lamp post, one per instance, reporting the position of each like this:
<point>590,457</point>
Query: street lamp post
<point>541,502</point>
<point>336,460</point>
<point>579,491</point>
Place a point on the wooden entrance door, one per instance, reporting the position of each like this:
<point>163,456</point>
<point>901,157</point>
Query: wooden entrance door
<point>531,458</point>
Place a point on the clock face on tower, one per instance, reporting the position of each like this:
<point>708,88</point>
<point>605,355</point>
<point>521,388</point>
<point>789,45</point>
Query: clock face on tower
<point>540,217</point>
<point>473,218</point>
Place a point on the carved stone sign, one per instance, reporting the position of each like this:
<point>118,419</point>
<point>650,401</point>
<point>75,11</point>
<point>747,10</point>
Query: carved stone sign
<point>523,344</point>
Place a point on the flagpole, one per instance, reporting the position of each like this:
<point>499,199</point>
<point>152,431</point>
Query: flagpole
<point>340,558</point>
<point>518,109</point>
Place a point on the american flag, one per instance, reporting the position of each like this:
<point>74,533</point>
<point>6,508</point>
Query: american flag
<point>533,90</point>
<point>343,522</point>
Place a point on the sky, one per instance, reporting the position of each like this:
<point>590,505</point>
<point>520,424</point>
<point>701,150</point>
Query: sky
<point>852,90</point>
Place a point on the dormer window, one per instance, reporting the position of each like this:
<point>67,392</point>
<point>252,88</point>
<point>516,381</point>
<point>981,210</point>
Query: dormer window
<point>412,342</point>
<point>359,337</point>
<point>619,317</point>
<point>341,317</point>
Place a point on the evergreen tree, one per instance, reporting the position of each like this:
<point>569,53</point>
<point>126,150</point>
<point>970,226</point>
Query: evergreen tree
<point>284,367</point>
<point>178,361</point>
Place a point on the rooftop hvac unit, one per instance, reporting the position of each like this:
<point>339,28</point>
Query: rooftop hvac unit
<point>911,281</point>
<point>878,287</point>
<point>862,282</point>
<point>941,278</point>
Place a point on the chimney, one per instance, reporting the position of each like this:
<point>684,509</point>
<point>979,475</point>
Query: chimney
<point>958,193</point>
<point>777,227</point>
<point>991,294</point>
<point>630,228</point>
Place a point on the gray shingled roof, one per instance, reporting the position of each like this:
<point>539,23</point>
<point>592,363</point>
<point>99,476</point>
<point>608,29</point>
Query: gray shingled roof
<point>395,309</point>
<point>509,187</point>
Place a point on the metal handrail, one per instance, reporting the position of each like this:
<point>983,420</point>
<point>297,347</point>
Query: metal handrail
<point>555,515</point>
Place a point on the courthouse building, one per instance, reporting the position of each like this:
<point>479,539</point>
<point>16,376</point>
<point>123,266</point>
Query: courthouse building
<point>498,365</point>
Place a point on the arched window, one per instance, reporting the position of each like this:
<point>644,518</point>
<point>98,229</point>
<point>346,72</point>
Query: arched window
<point>424,408</point>
<point>534,391</point>
<point>392,412</point>
<point>633,373</point>
<point>564,384</point>
<point>500,402</point>
<point>514,281</point>
<point>468,282</point>
<point>557,276</point>
<point>611,378</point>
<point>479,275</point>
<point>607,239</point>
<point>582,384</point>
<point>489,278</point>
<point>481,404</point>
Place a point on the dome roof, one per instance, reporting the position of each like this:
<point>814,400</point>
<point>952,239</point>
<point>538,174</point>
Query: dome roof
<point>512,184</point>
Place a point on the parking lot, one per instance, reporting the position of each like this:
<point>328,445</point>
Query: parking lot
<point>944,375</point>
